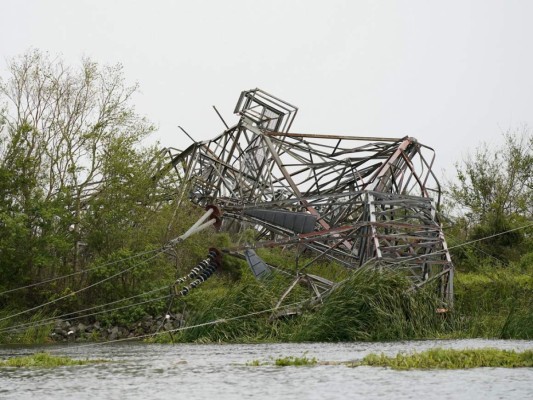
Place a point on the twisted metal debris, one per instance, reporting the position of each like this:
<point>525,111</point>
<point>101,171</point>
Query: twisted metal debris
<point>355,200</point>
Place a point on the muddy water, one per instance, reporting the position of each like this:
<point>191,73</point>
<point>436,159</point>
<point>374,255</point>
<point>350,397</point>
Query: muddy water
<point>151,371</point>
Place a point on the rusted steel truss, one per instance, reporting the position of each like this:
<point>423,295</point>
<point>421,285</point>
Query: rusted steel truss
<point>355,200</point>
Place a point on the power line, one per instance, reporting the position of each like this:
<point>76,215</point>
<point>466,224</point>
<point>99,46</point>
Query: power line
<point>208,323</point>
<point>198,226</point>
<point>80,290</point>
<point>225,320</point>
<point>105,311</point>
<point>46,320</point>
<point>79,272</point>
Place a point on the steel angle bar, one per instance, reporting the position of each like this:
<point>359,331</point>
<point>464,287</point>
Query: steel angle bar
<point>373,198</point>
<point>325,136</point>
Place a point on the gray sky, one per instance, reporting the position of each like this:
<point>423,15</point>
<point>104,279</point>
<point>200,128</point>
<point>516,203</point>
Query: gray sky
<point>450,73</point>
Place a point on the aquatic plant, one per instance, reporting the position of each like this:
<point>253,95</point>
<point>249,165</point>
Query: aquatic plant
<point>452,359</point>
<point>44,360</point>
<point>294,361</point>
<point>254,363</point>
<point>285,361</point>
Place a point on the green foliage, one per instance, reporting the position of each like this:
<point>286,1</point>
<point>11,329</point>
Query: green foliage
<point>76,189</point>
<point>33,334</point>
<point>44,360</point>
<point>493,195</point>
<point>525,264</point>
<point>452,359</point>
<point>227,301</point>
<point>373,305</point>
<point>495,303</point>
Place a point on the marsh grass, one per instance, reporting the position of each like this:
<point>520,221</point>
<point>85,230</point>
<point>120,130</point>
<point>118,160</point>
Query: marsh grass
<point>44,360</point>
<point>452,359</point>
<point>224,300</point>
<point>495,303</point>
<point>369,305</point>
<point>373,305</point>
<point>32,334</point>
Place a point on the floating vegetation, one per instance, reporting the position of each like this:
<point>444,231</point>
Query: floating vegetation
<point>294,361</point>
<point>452,359</point>
<point>254,363</point>
<point>44,360</point>
<point>285,362</point>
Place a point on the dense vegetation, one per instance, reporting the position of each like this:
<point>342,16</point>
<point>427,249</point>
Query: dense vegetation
<point>80,196</point>
<point>77,190</point>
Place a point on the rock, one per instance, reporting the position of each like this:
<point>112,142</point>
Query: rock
<point>64,330</point>
<point>60,332</point>
<point>123,332</point>
<point>113,333</point>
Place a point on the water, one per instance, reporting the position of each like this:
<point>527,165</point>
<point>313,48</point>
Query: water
<point>152,371</point>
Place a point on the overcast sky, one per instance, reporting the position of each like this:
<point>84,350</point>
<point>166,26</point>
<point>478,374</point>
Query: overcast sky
<point>450,73</point>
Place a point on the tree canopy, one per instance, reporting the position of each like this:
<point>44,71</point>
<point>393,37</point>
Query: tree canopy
<point>75,184</point>
<point>493,194</point>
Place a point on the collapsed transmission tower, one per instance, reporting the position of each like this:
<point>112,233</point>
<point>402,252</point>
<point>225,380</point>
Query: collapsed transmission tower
<point>356,200</point>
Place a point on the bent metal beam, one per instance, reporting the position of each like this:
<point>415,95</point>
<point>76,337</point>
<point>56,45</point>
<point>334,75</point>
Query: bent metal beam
<point>355,200</point>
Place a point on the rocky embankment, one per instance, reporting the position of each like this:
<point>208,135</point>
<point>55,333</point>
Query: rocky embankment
<point>64,331</point>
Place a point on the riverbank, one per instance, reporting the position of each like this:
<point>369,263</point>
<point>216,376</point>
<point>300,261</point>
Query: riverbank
<point>369,306</point>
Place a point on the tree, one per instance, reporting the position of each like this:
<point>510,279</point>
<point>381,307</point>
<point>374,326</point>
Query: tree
<point>68,136</point>
<point>494,193</point>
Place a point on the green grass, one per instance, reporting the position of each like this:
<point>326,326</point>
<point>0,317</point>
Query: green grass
<point>369,305</point>
<point>221,299</point>
<point>43,360</point>
<point>33,334</point>
<point>452,359</point>
<point>373,305</point>
<point>495,303</point>
<point>294,361</point>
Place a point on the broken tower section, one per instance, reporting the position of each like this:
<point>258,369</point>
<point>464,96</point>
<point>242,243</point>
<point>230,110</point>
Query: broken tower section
<point>356,200</point>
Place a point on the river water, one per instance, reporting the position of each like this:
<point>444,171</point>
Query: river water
<point>154,371</point>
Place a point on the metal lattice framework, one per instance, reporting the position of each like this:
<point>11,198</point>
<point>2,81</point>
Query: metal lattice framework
<point>352,199</point>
